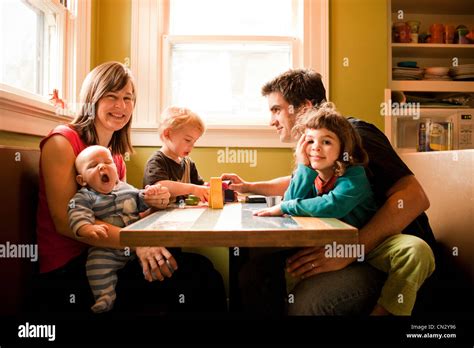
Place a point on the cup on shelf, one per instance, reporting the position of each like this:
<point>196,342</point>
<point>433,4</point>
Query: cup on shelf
<point>449,34</point>
<point>414,26</point>
<point>437,33</point>
<point>460,35</point>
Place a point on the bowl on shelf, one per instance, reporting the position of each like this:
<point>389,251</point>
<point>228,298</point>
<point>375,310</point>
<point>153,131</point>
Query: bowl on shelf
<point>470,36</point>
<point>437,70</point>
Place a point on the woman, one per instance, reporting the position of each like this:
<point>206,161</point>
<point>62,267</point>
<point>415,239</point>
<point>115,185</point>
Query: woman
<point>107,101</point>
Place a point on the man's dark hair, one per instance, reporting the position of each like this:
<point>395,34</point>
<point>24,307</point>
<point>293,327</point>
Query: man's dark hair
<point>297,86</point>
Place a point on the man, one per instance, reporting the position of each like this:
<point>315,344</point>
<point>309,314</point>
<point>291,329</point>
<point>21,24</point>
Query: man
<point>337,286</point>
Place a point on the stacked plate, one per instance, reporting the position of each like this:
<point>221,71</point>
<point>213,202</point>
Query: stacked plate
<point>437,73</point>
<point>400,73</point>
<point>462,72</point>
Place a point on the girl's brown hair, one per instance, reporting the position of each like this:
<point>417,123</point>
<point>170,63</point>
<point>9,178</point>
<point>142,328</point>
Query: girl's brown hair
<point>326,116</point>
<point>107,77</point>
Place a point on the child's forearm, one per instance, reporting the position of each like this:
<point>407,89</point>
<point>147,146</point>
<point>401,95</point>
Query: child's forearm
<point>302,183</point>
<point>178,188</point>
<point>111,241</point>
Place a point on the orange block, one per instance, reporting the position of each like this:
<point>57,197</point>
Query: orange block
<point>216,200</point>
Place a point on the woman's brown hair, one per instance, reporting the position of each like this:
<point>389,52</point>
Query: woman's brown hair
<point>326,116</point>
<point>107,77</point>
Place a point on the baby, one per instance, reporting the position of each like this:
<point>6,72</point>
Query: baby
<point>104,197</point>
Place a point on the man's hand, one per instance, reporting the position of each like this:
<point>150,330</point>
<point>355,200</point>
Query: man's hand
<point>93,231</point>
<point>238,184</point>
<point>273,211</point>
<point>157,196</point>
<point>311,261</point>
<point>300,151</point>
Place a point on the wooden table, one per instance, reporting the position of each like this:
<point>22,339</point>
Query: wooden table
<point>232,226</point>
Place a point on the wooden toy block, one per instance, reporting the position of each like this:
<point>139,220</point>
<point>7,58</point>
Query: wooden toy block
<point>216,200</point>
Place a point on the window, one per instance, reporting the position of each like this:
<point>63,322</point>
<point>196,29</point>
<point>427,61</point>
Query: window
<point>45,46</point>
<point>213,56</point>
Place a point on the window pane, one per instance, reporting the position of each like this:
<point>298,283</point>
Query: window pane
<point>19,43</point>
<point>231,17</point>
<point>222,82</point>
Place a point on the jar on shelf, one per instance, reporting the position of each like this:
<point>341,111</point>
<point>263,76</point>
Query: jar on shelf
<point>401,32</point>
<point>437,33</point>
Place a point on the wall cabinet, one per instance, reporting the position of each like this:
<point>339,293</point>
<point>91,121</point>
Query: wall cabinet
<point>401,124</point>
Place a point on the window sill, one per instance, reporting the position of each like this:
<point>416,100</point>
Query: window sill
<point>219,136</point>
<point>26,113</point>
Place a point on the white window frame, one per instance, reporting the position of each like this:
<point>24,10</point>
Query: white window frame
<point>29,113</point>
<point>150,49</point>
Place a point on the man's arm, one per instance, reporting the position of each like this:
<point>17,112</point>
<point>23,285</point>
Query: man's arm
<point>405,201</point>
<point>274,187</point>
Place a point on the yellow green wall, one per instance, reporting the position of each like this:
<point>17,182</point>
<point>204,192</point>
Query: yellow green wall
<point>111,23</point>
<point>358,31</point>
<point>16,139</point>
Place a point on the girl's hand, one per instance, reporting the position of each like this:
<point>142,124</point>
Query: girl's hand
<point>273,211</point>
<point>201,191</point>
<point>157,263</point>
<point>300,152</point>
<point>157,196</point>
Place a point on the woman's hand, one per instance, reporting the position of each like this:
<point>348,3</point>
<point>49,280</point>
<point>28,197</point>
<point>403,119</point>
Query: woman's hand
<point>157,263</point>
<point>300,152</point>
<point>312,260</point>
<point>273,211</point>
<point>157,196</point>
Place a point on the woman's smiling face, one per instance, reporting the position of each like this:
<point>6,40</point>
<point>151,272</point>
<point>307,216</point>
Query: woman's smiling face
<point>114,109</point>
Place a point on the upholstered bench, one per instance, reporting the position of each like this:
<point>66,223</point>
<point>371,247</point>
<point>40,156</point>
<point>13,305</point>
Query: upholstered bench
<point>18,248</point>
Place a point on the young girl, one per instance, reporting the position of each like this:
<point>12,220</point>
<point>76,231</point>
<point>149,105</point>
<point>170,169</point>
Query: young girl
<point>330,181</point>
<point>170,166</point>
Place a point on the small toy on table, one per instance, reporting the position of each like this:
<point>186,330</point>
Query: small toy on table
<point>192,200</point>
<point>229,195</point>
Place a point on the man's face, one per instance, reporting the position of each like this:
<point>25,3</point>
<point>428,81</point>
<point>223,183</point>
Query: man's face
<point>283,116</point>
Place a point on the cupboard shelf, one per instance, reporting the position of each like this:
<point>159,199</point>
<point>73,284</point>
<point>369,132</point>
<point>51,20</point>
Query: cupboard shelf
<point>432,86</point>
<point>401,50</point>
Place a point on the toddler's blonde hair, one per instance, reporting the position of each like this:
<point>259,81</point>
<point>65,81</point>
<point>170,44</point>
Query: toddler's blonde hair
<point>175,118</point>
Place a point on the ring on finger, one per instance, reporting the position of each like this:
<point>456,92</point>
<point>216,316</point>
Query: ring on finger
<point>313,265</point>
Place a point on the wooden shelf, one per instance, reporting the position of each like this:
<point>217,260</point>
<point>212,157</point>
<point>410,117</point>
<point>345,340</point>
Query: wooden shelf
<point>432,86</point>
<point>444,7</point>
<point>402,50</point>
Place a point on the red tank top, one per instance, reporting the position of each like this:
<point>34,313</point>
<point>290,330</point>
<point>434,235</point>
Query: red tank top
<point>55,250</point>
